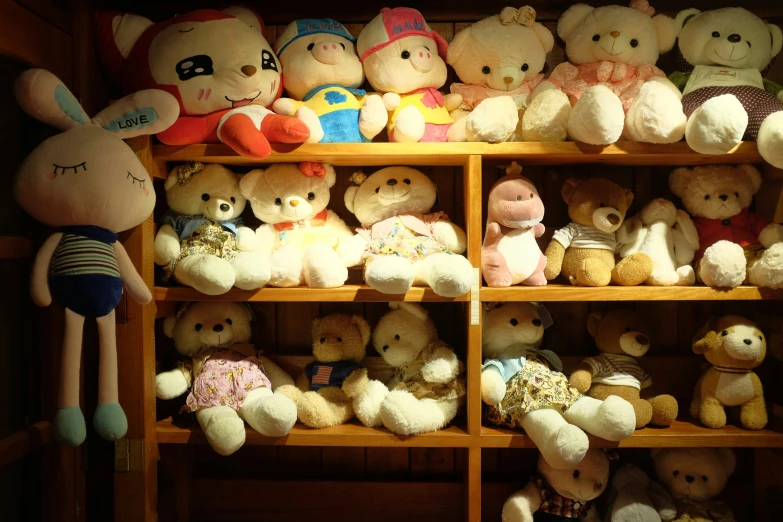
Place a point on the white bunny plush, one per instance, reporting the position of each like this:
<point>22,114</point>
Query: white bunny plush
<point>89,184</point>
<point>668,236</point>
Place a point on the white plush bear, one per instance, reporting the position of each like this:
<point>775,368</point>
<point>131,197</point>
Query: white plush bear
<point>229,383</point>
<point>725,95</point>
<point>201,241</point>
<point>500,59</point>
<point>615,89</point>
<point>404,244</point>
<point>322,75</point>
<point>307,242</point>
<point>428,384</point>
<point>667,235</point>
<point>524,387</point>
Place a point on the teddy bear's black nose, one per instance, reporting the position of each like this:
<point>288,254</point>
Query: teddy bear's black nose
<point>641,339</point>
<point>748,342</point>
<point>385,347</point>
<point>217,328</point>
<point>723,197</point>
<point>224,207</point>
<point>391,182</point>
<point>536,322</point>
<point>734,38</point>
<point>689,479</point>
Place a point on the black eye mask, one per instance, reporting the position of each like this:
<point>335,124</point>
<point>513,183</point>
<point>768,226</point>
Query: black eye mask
<point>199,65</point>
<point>268,61</point>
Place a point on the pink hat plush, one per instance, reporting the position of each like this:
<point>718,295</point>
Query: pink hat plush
<point>393,24</point>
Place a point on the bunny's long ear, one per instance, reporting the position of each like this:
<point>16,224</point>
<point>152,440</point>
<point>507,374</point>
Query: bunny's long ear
<point>144,112</point>
<point>43,96</point>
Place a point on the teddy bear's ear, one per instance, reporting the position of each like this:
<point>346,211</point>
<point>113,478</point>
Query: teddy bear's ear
<point>171,180</point>
<point>777,38</point>
<point>683,17</point>
<point>331,175</point>
<point>593,320</point>
<point>678,180</point>
<point>728,459</point>
<point>628,197</point>
<point>416,310</point>
<point>249,181</point>
<point>364,328</point>
<point>706,338</point>
<point>168,325</point>
<point>350,195</point>
<point>458,46</point>
<point>753,175</point>
<point>569,188</point>
<point>572,18</point>
<point>545,36</point>
<point>666,29</point>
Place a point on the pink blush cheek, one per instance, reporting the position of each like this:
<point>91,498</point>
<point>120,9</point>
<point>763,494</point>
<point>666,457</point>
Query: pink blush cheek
<point>50,175</point>
<point>146,192</point>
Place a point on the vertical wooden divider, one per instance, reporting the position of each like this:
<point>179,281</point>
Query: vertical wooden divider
<point>472,195</point>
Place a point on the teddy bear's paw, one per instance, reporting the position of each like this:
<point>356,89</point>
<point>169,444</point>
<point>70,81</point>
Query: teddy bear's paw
<point>409,127</point>
<point>723,265</point>
<point>717,126</point>
<point>494,120</point>
<point>373,116</point>
<point>664,410</point>
<point>655,116</point>
<point>768,271</point>
<point>390,275</point>
<point>770,139</point>
<point>546,118</point>
<point>404,414</point>
<point>633,270</point>
<point>286,267</point>
<point>616,419</point>
<point>664,277</point>
<point>272,415</point>
<point>316,412</point>
<point>518,507</point>
<point>223,428</point>
<point>367,404</point>
<point>567,448</point>
<point>593,272</point>
<point>252,271</point>
<point>290,391</point>
<point>753,415</point>
<point>206,273</point>
<point>109,421</point>
<point>308,116</point>
<point>597,118</point>
<point>457,133</point>
<point>69,426</point>
<point>449,275</point>
<point>687,276</point>
<point>771,234</point>
<point>323,268</point>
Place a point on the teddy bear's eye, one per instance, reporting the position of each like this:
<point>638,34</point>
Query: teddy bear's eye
<point>323,340</point>
<point>525,67</point>
<point>339,339</point>
<point>596,37</point>
<point>704,478</point>
<point>205,197</point>
<point>761,338</point>
<point>748,43</point>
<point>576,473</point>
<point>405,55</point>
<point>627,329</point>
<point>278,201</point>
<point>310,47</point>
<point>377,190</point>
<point>634,43</point>
<point>531,195</point>
<point>310,196</point>
<point>406,181</point>
<point>736,194</point>
<point>198,327</point>
<point>485,69</point>
<point>706,197</point>
<point>519,198</point>
<point>675,473</point>
<point>724,333</point>
<point>601,205</point>
<point>229,321</point>
<point>715,34</point>
<point>514,322</point>
<point>233,199</point>
<point>397,337</point>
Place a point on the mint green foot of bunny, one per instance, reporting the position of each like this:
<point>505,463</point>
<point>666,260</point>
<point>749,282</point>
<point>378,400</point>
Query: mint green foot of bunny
<point>69,426</point>
<point>110,421</point>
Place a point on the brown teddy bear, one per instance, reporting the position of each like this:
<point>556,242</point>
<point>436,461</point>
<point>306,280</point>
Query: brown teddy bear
<point>325,389</point>
<point>621,338</point>
<point>733,346</point>
<point>584,250</point>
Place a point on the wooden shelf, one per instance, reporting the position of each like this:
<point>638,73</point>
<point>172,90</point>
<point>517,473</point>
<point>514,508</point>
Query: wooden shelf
<point>566,292</point>
<point>349,293</point>
<point>529,153</point>
<point>347,435</point>
<point>684,434</point>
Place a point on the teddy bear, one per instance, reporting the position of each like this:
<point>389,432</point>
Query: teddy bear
<point>307,242</point>
<point>584,250</point>
<point>510,254</point>
<point>404,244</point>
<point>428,382</point>
<point>725,95</point>
<point>560,494</point>
<point>733,346</point>
<point>324,391</point>
<point>524,387</point>
<point>229,383</point>
<point>621,339</point>
<point>323,75</point>
<point>668,236</point>
<point>202,242</point>
<point>404,59</point>
<point>634,497</point>
<point>500,59</point>
<point>219,67</point>
<point>611,79</point>
<point>735,245</point>
<point>695,476</point>
<point>90,186</point>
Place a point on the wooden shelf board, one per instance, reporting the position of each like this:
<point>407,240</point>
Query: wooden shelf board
<point>566,292</point>
<point>682,433</point>
<point>528,153</point>
<point>346,435</point>
<point>354,293</point>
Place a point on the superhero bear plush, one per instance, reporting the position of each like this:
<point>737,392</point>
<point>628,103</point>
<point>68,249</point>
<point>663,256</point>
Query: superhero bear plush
<point>219,67</point>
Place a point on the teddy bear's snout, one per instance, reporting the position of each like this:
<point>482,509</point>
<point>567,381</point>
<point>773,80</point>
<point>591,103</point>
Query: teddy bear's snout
<point>421,59</point>
<point>328,53</point>
<point>743,344</point>
<point>635,344</point>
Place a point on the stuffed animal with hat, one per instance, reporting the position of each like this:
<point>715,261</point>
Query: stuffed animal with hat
<point>90,185</point>
<point>322,75</point>
<point>403,57</point>
<point>219,67</point>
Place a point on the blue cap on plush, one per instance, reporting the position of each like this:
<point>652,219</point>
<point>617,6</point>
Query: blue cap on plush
<point>308,26</point>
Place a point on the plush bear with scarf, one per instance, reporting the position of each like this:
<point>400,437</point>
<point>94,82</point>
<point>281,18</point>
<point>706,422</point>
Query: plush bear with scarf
<point>615,88</point>
<point>500,59</point>
<point>91,186</point>
<point>405,244</point>
<point>229,383</point>
<point>726,97</point>
<point>735,245</point>
<point>524,387</point>
<point>308,243</point>
<point>201,241</point>
<point>219,67</point>
<point>404,58</point>
<point>322,76</point>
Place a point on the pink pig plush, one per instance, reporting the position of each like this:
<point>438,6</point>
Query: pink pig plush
<point>510,254</point>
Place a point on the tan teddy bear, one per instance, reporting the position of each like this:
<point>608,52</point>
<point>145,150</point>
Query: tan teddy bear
<point>584,250</point>
<point>621,338</point>
<point>734,346</point>
<point>325,389</point>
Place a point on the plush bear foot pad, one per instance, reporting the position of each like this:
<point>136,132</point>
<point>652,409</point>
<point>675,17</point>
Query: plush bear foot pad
<point>69,426</point>
<point>110,421</point>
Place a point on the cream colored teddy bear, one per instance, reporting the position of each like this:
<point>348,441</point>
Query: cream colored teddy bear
<point>307,242</point>
<point>615,89</point>
<point>404,58</point>
<point>500,59</point>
